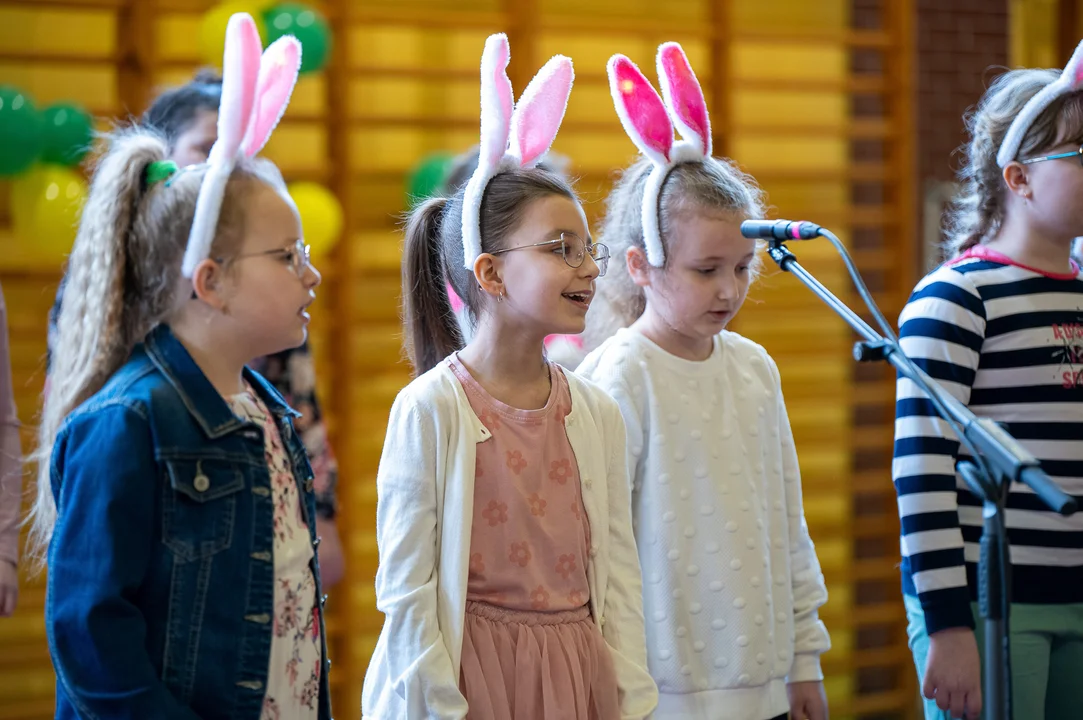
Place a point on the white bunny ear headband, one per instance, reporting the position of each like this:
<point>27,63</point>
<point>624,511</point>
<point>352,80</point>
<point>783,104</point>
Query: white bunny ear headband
<point>1071,80</point>
<point>511,137</point>
<point>255,93</point>
<point>649,122</point>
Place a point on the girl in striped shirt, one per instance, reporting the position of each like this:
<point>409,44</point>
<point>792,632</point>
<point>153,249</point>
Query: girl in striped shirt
<point>1000,325</point>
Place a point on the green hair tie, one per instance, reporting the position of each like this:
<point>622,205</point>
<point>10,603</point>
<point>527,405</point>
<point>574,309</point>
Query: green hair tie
<point>160,170</point>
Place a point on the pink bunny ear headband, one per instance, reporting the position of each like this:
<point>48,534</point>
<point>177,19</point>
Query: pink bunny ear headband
<point>649,123</point>
<point>255,93</point>
<point>1071,80</point>
<point>511,138</point>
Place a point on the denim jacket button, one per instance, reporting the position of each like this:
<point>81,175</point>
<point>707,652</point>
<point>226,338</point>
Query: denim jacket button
<point>308,485</point>
<point>317,541</point>
<point>201,483</point>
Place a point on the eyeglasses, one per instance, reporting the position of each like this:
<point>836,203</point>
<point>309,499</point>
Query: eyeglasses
<point>1059,156</point>
<point>299,255</point>
<point>574,249</point>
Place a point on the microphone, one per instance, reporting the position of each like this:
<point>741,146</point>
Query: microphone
<point>779,230</point>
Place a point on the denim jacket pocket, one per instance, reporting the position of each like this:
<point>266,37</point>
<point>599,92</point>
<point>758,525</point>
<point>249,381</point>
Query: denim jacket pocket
<point>200,506</point>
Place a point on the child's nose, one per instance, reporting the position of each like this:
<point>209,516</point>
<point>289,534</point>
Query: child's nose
<point>589,268</point>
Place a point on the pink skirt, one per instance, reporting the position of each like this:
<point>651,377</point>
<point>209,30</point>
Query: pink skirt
<point>536,666</point>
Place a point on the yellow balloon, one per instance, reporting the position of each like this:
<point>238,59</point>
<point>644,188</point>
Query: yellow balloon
<point>321,215</point>
<point>24,191</point>
<point>46,206</point>
<point>212,30</point>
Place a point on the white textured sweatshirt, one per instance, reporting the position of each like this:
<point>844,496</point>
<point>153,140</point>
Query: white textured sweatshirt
<point>731,582</point>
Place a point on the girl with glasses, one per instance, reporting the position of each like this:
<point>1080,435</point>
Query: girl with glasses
<point>187,117</point>
<point>1000,325</point>
<point>174,495</point>
<point>508,574</point>
<point>565,350</point>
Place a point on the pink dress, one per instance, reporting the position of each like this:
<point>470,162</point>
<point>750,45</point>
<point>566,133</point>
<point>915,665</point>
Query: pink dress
<point>531,649</point>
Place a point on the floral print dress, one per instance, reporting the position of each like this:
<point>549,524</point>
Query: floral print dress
<point>293,373</point>
<point>293,678</point>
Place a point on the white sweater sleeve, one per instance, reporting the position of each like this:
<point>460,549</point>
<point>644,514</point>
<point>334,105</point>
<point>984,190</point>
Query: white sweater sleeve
<point>809,590</point>
<point>623,627</point>
<point>419,665</point>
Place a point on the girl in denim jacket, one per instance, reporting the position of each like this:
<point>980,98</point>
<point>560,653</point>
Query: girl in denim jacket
<point>174,495</point>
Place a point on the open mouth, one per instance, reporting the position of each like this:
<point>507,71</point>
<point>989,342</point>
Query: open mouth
<point>581,298</point>
<point>303,312</point>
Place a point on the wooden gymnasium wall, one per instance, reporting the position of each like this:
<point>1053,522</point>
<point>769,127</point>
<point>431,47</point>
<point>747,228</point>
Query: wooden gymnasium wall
<point>812,98</point>
<point>1044,33</point>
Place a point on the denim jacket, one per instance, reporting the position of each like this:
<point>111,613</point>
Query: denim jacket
<point>161,568</point>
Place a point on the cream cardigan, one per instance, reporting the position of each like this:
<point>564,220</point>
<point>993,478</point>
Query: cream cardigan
<point>425,484</point>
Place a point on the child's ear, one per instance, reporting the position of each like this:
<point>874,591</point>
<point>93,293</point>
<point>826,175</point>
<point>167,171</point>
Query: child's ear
<point>208,283</point>
<point>1017,179</point>
<point>489,275</point>
<point>638,267</point>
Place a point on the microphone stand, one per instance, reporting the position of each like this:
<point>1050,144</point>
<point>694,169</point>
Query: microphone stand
<point>999,461</point>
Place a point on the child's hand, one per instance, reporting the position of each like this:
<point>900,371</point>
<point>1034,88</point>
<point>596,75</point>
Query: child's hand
<point>9,588</point>
<point>807,700</point>
<point>953,673</point>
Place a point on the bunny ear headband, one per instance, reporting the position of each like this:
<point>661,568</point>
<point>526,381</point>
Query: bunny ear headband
<point>1071,80</point>
<point>255,93</point>
<point>649,122</point>
<point>511,136</point>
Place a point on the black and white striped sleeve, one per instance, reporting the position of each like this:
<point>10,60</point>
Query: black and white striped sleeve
<point>942,329</point>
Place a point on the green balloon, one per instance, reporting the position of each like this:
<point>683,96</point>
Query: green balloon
<point>308,26</point>
<point>68,132</point>
<point>428,178</point>
<point>20,131</point>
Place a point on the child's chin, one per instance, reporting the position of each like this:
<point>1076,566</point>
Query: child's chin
<point>708,330</point>
<point>289,342</point>
<point>573,327</point>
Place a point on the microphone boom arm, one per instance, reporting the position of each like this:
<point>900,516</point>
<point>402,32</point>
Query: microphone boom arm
<point>998,447</point>
<point>998,459</point>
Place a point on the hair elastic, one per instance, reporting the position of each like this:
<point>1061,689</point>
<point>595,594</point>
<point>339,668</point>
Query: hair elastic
<point>158,171</point>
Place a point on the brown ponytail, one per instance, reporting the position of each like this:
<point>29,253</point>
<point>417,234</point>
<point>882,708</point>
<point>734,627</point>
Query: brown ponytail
<point>431,332</point>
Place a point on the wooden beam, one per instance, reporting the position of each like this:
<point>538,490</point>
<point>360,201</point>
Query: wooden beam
<point>344,677</point>
<point>1067,29</point>
<point>522,29</point>
<point>136,53</point>
<point>721,37</point>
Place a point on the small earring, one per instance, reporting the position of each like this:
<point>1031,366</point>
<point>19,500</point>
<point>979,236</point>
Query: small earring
<point>500,297</point>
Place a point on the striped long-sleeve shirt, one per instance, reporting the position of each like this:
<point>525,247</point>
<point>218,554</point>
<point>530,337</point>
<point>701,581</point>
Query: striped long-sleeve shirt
<point>1008,342</point>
